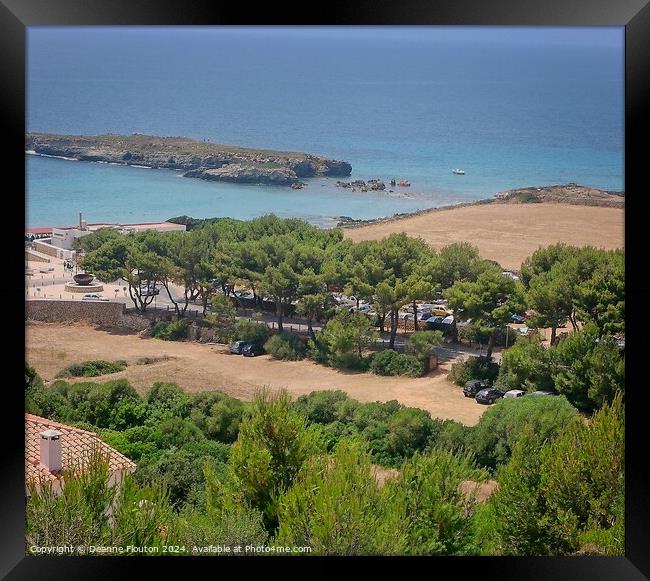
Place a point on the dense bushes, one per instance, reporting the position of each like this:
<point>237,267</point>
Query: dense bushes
<point>342,341</point>
<point>391,362</point>
<point>504,424</point>
<point>304,470</point>
<point>586,368</point>
<point>565,496</point>
<point>171,331</point>
<point>251,332</point>
<point>92,368</point>
<point>526,365</point>
<point>393,432</point>
<point>474,368</point>
<point>285,345</point>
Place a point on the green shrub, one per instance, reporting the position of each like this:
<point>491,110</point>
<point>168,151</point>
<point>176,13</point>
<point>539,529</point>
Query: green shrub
<point>504,424</point>
<point>527,198</point>
<point>421,343</point>
<point>218,415</point>
<point>166,400</point>
<point>526,365</point>
<point>171,331</point>
<point>286,346</point>
<point>474,368</point>
<point>318,350</point>
<point>251,331</point>
<point>92,368</point>
<point>409,430</point>
<point>350,361</point>
<point>391,362</point>
<point>324,407</point>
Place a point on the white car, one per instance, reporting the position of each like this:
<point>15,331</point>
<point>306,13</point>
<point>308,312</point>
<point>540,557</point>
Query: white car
<point>94,297</point>
<point>514,393</point>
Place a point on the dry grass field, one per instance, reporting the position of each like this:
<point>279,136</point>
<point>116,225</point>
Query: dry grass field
<point>199,367</point>
<point>508,233</point>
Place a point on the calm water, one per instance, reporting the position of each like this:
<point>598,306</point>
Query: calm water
<point>511,107</point>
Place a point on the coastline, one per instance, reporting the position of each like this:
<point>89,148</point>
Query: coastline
<point>571,193</point>
<point>197,159</point>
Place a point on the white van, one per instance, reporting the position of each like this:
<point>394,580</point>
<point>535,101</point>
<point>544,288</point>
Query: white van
<point>514,393</point>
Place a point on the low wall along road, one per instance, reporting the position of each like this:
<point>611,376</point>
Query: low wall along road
<point>105,313</point>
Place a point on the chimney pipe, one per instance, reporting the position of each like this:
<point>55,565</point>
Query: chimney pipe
<point>80,220</point>
<point>51,450</point>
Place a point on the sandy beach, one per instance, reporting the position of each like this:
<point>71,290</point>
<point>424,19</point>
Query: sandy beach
<point>507,233</point>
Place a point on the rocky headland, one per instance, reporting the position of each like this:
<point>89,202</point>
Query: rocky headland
<point>197,159</point>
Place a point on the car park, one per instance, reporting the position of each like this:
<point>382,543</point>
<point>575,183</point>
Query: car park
<point>514,393</point>
<point>149,291</point>
<point>237,347</point>
<point>472,387</point>
<point>488,396</point>
<point>252,350</point>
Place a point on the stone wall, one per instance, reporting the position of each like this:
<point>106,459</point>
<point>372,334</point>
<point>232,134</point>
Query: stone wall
<point>33,256</point>
<point>110,314</point>
<point>47,248</point>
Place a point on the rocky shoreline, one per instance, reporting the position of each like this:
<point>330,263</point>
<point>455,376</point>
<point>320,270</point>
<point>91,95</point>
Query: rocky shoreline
<point>571,193</point>
<point>197,159</point>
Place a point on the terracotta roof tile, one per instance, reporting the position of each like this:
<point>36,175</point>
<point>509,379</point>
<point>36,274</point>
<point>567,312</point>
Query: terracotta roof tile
<point>76,448</point>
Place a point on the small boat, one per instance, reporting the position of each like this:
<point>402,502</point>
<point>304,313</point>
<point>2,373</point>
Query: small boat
<point>458,172</point>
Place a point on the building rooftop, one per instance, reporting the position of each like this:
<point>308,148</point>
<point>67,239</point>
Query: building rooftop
<point>39,230</point>
<point>77,447</point>
<point>137,226</point>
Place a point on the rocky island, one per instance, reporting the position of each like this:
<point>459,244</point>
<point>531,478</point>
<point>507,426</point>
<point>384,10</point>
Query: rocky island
<point>197,159</point>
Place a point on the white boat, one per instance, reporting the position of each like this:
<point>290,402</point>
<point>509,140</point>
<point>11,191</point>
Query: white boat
<point>459,172</point>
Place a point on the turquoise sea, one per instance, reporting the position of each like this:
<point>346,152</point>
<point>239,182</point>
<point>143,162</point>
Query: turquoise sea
<point>513,107</point>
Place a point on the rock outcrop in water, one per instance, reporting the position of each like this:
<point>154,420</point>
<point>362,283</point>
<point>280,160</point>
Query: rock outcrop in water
<point>198,159</point>
<point>376,185</point>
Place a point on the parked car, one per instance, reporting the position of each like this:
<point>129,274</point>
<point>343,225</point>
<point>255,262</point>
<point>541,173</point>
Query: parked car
<point>149,291</point>
<point>488,396</point>
<point>473,386</point>
<point>541,393</point>
<point>238,347</point>
<point>514,318</point>
<point>94,297</point>
<point>514,393</point>
<point>252,350</point>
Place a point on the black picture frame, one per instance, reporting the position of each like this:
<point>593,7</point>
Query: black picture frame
<point>634,15</point>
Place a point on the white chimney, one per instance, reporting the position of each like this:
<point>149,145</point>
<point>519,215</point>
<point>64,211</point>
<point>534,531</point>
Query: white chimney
<point>51,450</point>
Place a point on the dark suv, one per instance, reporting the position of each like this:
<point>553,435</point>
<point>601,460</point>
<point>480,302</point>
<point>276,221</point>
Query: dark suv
<point>252,350</point>
<point>488,396</point>
<point>473,386</point>
<point>238,347</point>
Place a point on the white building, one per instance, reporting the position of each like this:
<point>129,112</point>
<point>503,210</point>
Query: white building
<point>64,237</point>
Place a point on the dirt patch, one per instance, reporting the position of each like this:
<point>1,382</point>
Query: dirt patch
<point>508,233</point>
<point>200,367</point>
<point>482,490</point>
